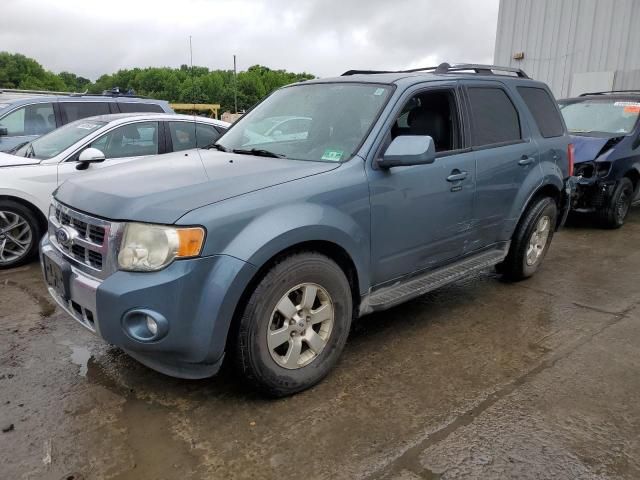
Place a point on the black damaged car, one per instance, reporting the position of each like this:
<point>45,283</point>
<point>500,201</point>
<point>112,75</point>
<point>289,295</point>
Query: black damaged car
<point>606,138</point>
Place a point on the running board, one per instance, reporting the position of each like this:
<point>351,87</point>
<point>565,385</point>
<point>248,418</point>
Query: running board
<point>403,290</point>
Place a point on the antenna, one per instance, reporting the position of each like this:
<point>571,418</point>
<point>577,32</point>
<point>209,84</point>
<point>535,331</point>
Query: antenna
<point>235,85</point>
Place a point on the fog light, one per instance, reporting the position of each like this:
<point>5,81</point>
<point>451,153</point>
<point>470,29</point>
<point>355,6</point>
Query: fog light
<point>152,326</point>
<point>145,325</point>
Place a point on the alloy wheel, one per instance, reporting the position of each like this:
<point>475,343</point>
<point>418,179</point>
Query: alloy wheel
<point>16,237</point>
<point>538,240</point>
<point>300,326</point>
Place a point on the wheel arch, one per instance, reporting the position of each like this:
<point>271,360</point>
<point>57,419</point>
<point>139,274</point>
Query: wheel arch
<point>330,249</point>
<point>42,219</point>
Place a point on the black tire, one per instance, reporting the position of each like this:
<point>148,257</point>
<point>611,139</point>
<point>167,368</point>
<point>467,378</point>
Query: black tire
<point>615,212</point>
<point>515,266</point>
<point>30,217</point>
<point>251,352</point>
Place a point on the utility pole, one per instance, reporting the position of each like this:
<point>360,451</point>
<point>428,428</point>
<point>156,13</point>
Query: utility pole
<point>235,85</point>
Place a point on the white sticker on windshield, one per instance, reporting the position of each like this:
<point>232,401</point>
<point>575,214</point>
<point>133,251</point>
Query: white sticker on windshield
<point>626,104</point>
<point>88,126</point>
<point>379,91</point>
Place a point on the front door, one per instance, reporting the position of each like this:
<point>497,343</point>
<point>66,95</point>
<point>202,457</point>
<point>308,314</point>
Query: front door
<point>122,144</point>
<point>420,215</point>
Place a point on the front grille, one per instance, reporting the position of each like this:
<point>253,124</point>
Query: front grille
<point>89,240</point>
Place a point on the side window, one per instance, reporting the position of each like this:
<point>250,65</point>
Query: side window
<point>183,135</point>
<point>132,107</point>
<point>544,111</point>
<point>207,134</point>
<point>76,110</point>
<point>35,119</point>
<point>432,113</point>
<point>133,140</point>
<point>494,117</point>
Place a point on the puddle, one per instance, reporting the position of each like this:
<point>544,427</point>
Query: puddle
<point>79,355</point>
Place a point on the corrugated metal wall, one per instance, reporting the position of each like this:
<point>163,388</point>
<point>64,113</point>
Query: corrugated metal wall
<point>560,38</point>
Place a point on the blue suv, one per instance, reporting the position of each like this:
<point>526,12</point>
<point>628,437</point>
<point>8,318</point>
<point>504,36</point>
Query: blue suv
<point>263,249</point>
<point>25,115</point>
<point>606,135</point>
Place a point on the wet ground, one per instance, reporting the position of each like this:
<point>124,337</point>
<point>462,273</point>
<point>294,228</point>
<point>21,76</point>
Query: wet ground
<point>481,379</point>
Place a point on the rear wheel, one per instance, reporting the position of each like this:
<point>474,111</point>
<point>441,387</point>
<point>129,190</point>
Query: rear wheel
<point>531,240</point>
<point>19,234</point>
<point>294,325</point>
<point>616,211</point>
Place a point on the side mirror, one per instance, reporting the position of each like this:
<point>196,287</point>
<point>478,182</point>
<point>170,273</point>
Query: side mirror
<point>407,150</point>
<point>88,156</point>
<point>4,131</point>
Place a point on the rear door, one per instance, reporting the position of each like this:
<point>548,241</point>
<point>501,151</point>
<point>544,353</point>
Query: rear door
<point>505,157</point>
<point>75,110</point>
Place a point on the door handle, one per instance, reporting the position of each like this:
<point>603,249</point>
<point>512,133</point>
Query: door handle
<point>525,160</point>
<point>456,176</point>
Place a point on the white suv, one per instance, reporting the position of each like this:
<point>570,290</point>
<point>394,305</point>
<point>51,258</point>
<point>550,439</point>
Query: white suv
<point>32,172</point>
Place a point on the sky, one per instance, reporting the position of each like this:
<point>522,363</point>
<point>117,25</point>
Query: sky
<point>322,37</point>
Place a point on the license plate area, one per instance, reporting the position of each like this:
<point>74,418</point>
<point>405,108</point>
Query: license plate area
<point>57,274</point>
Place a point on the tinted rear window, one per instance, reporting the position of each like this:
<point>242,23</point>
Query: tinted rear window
<point>132,107</point>
<point>495,119</point>
<point>77,110</point>
<point>544,111</point>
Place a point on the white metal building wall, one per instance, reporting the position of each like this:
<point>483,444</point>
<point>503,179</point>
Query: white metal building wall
<point>562,38</point>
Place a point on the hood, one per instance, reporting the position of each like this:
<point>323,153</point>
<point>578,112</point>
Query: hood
<point>587,149</point>
<point>163,188</point>
<point>7,160</point>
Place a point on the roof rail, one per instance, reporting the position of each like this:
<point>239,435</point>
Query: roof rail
<point>447,68</point>
<point>42,92</point>
<point>610,92</point>
<point>118,92</point>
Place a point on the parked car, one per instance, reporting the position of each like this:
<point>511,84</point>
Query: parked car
<point>606,135</point>
<point>263,254</point>
<point>25,115</point>
<point>32,172</point>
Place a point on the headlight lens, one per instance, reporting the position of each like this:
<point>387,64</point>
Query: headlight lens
<point>147,248</point>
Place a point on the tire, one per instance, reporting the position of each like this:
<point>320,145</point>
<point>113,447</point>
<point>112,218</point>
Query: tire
<point>18,244</point>
<point>274,366</point>
<point>526,251</point>
<point>615,213</point>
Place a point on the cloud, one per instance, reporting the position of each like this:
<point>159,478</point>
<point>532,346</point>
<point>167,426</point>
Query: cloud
<point>323,37</point>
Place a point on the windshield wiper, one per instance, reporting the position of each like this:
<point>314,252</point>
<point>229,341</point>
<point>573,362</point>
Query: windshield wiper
<point>30,153</point>
<point>259,152</point>
<point>17,147</point>
<point>215,145</point>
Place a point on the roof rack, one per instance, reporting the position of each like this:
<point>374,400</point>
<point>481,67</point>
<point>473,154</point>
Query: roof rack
<point>609,92</point>
<point>447,68</point>
<point>42,92</point>
<point>118,92</point>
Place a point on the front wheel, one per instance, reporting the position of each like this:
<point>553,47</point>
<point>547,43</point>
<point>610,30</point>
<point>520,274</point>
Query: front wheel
<point>531,240</point>
<point>295,324</point>
<point>19,234</point>
<point>615,212</point>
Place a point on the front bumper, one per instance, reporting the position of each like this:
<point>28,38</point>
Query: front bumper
<point>592,193</point>
<point>197,297</point>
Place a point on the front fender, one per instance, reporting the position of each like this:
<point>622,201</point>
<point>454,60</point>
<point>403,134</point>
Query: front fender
<point>276,230</point>
<point>38,202</point>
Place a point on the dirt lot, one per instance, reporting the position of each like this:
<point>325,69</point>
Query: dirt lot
<point>481,379</point>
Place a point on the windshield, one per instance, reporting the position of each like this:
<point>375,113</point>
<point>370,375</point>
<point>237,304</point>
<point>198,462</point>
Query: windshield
<point>51,144</point>
<point>600,116</point>
<point>319,122</point>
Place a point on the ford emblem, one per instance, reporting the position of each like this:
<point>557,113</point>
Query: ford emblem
<point>64,236</point>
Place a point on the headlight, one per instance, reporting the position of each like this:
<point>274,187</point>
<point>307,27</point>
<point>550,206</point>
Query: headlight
<point>147,248</point>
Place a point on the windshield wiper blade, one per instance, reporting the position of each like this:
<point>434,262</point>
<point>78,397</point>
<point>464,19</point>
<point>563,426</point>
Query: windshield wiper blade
<point>215,145</point>
<point>259,152</point>
<point>17,147</point>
